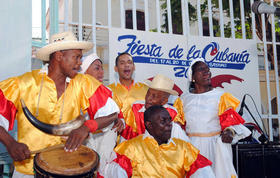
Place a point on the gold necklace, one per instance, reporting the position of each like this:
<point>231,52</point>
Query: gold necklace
<point>41,87</point>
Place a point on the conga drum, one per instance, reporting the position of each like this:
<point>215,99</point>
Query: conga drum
<point>58,163</point>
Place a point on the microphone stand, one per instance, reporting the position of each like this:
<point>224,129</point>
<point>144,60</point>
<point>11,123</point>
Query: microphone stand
<point>263,138</point>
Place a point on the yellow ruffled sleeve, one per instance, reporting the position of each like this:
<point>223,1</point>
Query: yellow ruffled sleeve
<point>180,117</point>
<point>190,155</point>
<point>11,90</point>
<point>227,101</point>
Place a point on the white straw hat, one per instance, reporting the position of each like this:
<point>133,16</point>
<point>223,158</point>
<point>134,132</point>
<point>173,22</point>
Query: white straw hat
<point>87,61</point>
<point>189,73</point>
<point>62,41</point>
<point>162,83</point>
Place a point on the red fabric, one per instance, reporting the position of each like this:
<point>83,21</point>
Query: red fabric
<point>125,163</point>
<point>229,118</point>
<point>200,162</point>
<point>98,100</point>
<point>172,113</point>
<point>128,132</point>
<point>92,125</point>
<point>99,176</point>
<point>7,110</point>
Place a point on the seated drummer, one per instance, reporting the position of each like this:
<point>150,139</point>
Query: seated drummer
<point>160,88</point>
<point>156,153</point>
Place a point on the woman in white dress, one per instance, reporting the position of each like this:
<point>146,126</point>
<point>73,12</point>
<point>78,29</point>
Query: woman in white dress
<point>211,121</point>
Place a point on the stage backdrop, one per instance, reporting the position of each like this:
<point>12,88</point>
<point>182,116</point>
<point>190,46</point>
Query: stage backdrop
<point>233,62</point>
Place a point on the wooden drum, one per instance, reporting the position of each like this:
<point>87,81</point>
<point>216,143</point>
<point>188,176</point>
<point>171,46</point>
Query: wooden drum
<point>58,163</point>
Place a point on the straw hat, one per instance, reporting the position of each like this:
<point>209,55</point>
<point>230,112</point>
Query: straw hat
<point>162,83</point>
<point>189,73</point>
<point>62,41</point>
<point>87,61</point>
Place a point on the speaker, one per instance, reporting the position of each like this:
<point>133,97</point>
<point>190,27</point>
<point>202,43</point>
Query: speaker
<point>256,160</point>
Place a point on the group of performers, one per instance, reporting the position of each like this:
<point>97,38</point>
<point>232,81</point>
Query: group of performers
<point>133,126</point>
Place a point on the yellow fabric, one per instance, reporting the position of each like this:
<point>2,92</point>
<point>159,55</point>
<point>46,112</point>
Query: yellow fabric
<point>27,87</point>
<point>130,119</point>
<point>148,159</point>
<point>227,101</point>
<point>124,97</point>
<point>180,117</point>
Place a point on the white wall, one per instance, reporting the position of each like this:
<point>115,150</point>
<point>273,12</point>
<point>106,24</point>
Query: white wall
<point>16,36</point>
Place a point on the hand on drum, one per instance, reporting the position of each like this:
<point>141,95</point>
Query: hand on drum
<point>118,125</point>
<point>18,151</point>
<point>227,136</point>
<point>76,138</point>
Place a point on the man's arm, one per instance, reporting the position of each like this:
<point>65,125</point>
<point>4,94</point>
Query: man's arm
<point>18,151</point>
<point>102,111</point>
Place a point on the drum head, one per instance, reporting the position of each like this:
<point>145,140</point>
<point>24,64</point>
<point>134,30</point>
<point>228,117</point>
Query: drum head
<point>67,163</point>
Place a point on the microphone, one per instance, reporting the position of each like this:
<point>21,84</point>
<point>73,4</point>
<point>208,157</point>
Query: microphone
<point>240,112</point>
<point>260,7</point>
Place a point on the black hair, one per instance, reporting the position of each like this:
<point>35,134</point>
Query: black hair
<point>152,111</point>
<point>118,57</point>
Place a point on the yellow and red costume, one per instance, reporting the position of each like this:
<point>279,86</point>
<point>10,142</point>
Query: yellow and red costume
<point>82,92</point>
<point>134,120</point>
<point>126,96</point>
<point>142,156</point>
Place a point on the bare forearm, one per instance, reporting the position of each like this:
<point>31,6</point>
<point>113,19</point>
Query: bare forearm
<point>106,120</point>
<point>5,137</point>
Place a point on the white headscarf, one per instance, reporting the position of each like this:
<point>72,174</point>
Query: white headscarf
<point>189,73</point>
<point>87,61</point>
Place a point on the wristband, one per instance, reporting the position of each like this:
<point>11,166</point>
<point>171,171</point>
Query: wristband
<point>92,125</point>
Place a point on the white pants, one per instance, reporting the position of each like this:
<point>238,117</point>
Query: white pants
<point>20,175</point>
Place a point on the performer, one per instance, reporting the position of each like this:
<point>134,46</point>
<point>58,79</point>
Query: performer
<point>102,142</point>
<point>92,65</point>
<point>53,100</point>
<point>212,123</point>
<point>156,153</point>
<point>126,91</point>
<point>160,88</point>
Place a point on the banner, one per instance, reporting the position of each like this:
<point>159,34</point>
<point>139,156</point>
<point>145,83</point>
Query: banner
<point>233,62</point>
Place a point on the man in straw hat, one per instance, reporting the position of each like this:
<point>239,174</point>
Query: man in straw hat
<point>55,94</point>
<point>160,88</point>
<point>156,153</point>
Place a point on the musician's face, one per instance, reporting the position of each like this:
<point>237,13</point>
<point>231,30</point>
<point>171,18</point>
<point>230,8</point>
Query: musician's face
<point>160,126</point>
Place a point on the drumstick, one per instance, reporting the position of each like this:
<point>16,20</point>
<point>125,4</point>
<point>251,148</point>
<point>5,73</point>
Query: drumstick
<point>48,148</point>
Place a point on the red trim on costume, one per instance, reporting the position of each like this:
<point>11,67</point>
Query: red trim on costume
<point>98,100</point>
<point>92,125</point>
<point>125,163</point>
<point>128,133</point>
<point>229,118</point>
<point>7,110</point>
<point>172,113</point>
<point>200,162</point>
<point>99,176</point>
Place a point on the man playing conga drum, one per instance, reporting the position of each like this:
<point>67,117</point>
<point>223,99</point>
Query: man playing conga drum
<point>55,94</point>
